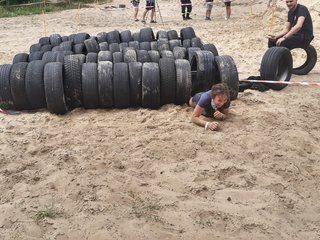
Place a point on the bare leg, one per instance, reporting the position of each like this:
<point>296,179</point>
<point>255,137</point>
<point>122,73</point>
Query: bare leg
<point>136,10</point>
<point>152,14</point>
<point>228,12</point>
<point>144,15</point>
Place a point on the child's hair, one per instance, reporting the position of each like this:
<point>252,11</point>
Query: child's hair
<point>220,89</point>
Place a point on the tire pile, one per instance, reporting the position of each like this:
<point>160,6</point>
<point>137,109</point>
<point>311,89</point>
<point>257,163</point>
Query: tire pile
<point>114,69</point>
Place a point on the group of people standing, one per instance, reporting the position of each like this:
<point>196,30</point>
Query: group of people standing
<point>186,8</point>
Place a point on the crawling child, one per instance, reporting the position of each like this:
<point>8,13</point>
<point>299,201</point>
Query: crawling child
<point>214,103</point>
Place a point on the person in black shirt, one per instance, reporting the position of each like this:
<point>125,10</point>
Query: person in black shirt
<point>298,31</point>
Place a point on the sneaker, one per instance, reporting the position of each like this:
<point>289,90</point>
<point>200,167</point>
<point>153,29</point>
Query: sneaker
<point>153,21</point>
<point>208,18</point>
<point>226,18</point>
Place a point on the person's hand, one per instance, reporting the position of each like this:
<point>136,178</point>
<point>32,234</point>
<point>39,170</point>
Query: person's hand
<point>219,115</point>
<point>211,126</point>
<point>279,41</point>
<point>271,37</point>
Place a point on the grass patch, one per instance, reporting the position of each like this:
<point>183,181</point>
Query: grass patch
<point>23,10</point>
<point>47,213</point>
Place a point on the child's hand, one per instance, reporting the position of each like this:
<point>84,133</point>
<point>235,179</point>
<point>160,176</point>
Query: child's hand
<point>219,115</point>
<point>211,126</point>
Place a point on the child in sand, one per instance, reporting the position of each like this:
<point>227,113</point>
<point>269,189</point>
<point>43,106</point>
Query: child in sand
<point>214,103</point>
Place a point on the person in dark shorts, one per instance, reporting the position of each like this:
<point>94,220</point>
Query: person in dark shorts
<point>150,5</point>
<point>186,4</point>
<point>227,3</point>
<point>214,103</point>
<point>298,30</point>
<point>135,4</point>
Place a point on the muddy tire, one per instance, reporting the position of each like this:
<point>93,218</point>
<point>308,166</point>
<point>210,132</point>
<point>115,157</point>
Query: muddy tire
<point>129,55</point>
<point>167,80</point>
<point>72,79</point>
<point>162,34</point>
<point>154,56</point>
<point>276,65</point>
<point>105,56</point>
<point>150,85</point>
<point>143,56</point>
<point>125,36</point>
<point>183,82</point>
<point>35,84</point>
<point>89,78</point>
<point>117,57</point>
<point>310,62</point>
<point>135,79</point>
<point>145,46</point>
<point>105,84</point>
<point>17,85</point>
<point>134,44</point>
<point>91,45</point>
<point>102,37</point>
<point>203,69</point>
<point>146,35</point>
<point>172,34</point>
<point>180,53</point>
<point>210,47</point>
<point>104,46</point>
<point>6,100</point>
<point>187,33</point>
<point>113,37</point>
<point>227,73</point>
<point>92,57</point>
<point>53,86</point>
<point>121,85</point>
<point>55,39</point>
<point>166,54</point>
<point>20,57</point>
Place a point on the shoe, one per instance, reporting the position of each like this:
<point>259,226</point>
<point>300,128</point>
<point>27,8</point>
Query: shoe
<point>136,20</point>
<point>208,18</point>
<point>143,21</point>
<point>153,21</point>
<point>226,18</point>
<point>188,17</point>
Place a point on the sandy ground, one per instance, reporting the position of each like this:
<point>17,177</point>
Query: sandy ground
<point>152,174</point>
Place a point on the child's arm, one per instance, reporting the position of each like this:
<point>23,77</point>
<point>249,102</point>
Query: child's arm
<point>196,118</point>
<point>221,115</point>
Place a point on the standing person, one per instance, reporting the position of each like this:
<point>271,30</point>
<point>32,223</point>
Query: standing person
<point>209,5</point>
<point>135,4</point>
<point>227,3</point>
<point>214,103</point>
<point>298,30</point>
<point>150,5</point>
<point>186,4</point>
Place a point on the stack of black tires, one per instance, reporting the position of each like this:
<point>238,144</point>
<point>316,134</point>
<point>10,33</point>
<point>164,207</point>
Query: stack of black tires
<point>114,69</point>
